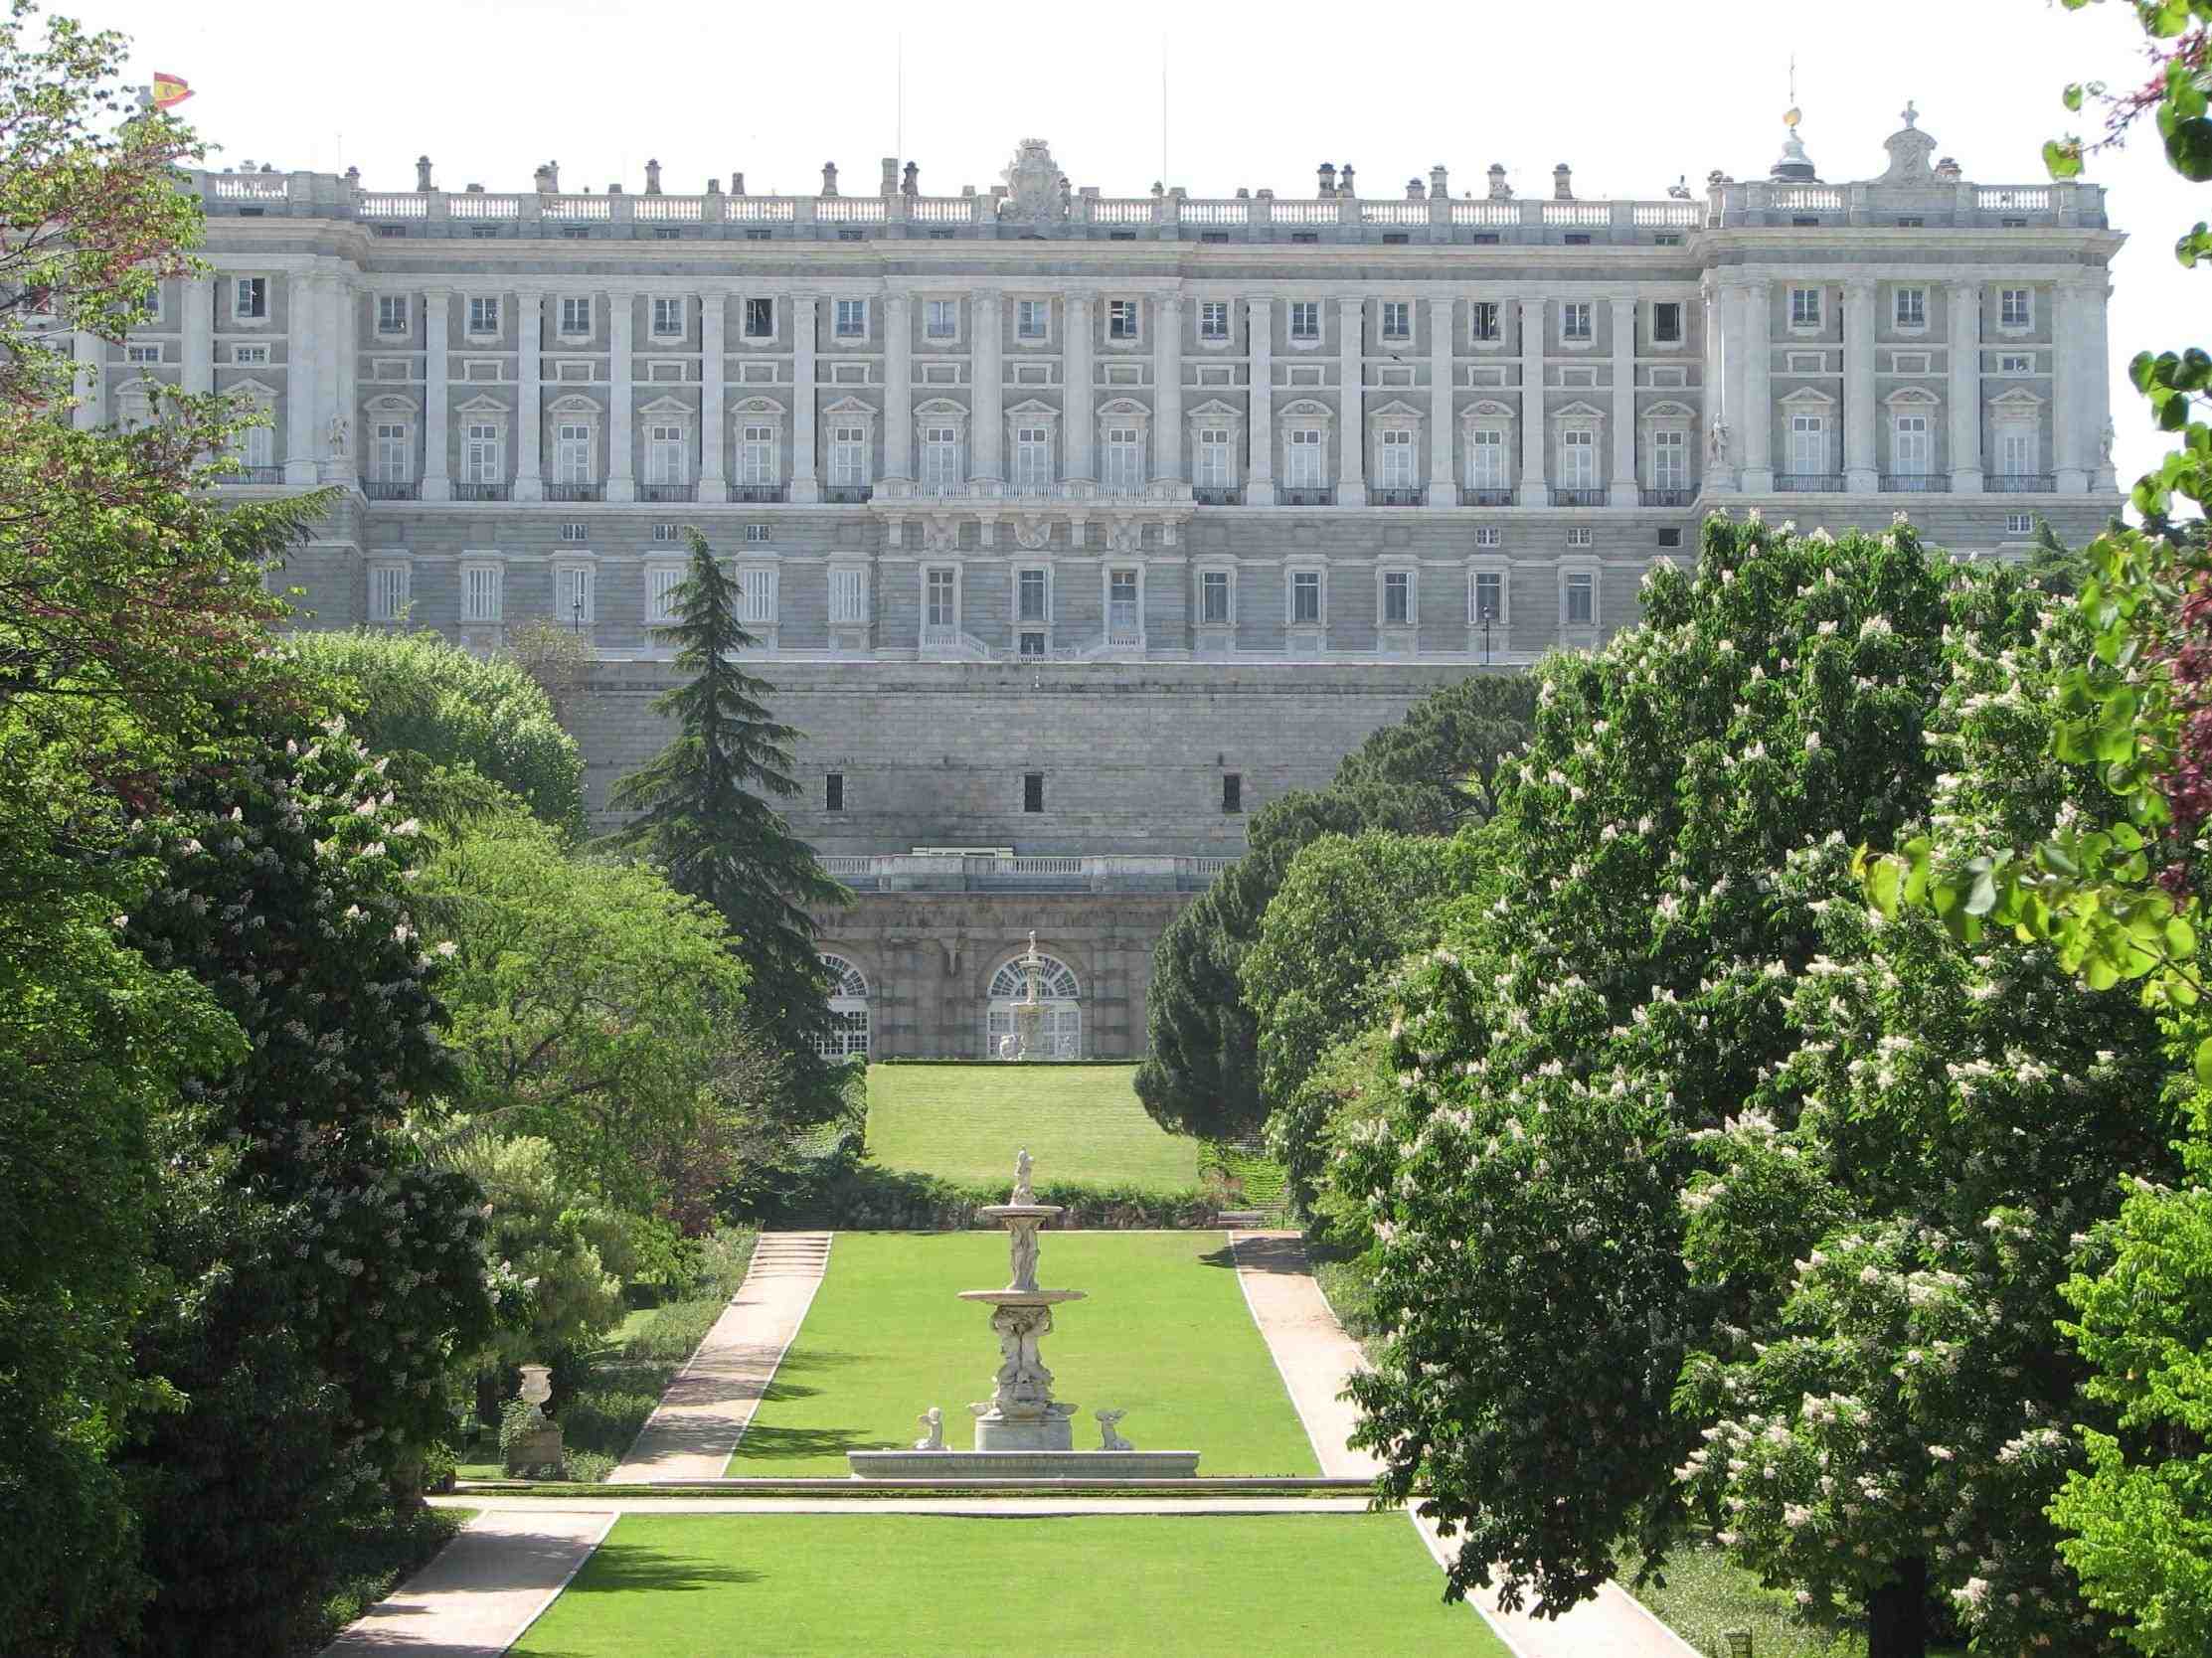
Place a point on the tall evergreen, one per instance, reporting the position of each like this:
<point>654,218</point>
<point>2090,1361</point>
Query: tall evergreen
<point>704,815</point>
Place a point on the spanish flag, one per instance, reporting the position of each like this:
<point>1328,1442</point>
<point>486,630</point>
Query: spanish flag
<point>169,90</point>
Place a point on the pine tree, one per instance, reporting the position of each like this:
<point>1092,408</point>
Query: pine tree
<point>704,815</point>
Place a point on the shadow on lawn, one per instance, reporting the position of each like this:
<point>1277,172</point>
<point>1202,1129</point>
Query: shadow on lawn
<point>1285,1255</point>
<point>765,1443</point>
<point>622,1566</point>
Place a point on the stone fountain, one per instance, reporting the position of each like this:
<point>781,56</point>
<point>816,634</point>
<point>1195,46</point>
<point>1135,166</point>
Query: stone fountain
<point>1021,1431</point>
<point>1029,1017</point>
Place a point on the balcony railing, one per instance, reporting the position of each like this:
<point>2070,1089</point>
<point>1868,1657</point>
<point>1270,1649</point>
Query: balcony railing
<point>576,492</point>
<point>953,872</point>
<point>1673,496</point>
<point>756,492</point>
<point>254,475</point>
<point>668,492</point>
<point>1397,497</point>
<point>481,491</point>
<point>391,491</point>
<point>1214,495</point>
<point>849,495</point>
<point>1486,496</point>
<point>1310,497</point>
<point>1562,497</point>
<point>1915,484</point>
<point>1810,482</point>
<point>2020,483</point>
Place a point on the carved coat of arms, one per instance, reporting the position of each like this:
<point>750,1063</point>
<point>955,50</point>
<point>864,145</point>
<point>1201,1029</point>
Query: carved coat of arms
<point>1033,193</point>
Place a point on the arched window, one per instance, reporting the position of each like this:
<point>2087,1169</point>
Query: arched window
<point>1060,1031</point>
<point>848,1010</point>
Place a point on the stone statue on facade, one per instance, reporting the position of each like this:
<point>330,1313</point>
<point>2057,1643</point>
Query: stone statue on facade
<point>2105,442</point>
<point>1034,194</point>
<point>931,1423</point>
<point>1716,444</point>
<point>340,432</point>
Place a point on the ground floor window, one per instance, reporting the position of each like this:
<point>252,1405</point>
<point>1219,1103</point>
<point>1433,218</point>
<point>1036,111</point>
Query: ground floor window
<point>848,1010</point>
<point>1060,1031</point>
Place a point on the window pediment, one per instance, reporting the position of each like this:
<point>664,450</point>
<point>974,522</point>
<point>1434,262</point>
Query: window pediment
<point>1575,412</point>
<point>756,409</point>
<point>1395,412</point>
<point>1806,397</point>
<point>575,408</point>
<point>1912,396</point>
<point>1488,409</point>
<point>485,408</point>
<point>850,408</point>
<point>1213,412</point>
<point>1659,413</point>
<point>1307,412</point>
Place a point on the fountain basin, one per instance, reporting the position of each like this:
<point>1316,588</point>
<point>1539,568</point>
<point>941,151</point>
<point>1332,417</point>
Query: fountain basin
<point>1020,1212</point>
<point>1023,1297</point>
<point>1083,1467</point>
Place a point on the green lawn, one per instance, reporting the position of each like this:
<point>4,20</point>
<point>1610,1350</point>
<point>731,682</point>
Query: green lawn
<point>1078,1121</point>
<point>1165,1334</point>
<point>796,1585</point>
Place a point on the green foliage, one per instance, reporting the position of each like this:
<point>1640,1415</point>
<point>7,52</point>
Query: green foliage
<point>451,719</point>
<point>1424,775</point>
<point>703,815</point>
<point>567,1247</point>
<point>1773,1182</point>
<point>1347,910</point>
<point>591,1003</point>
<point>860,1197</point>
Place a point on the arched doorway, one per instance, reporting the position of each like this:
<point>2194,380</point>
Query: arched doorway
<point>848,1010</point>
<point>1061,1030</point>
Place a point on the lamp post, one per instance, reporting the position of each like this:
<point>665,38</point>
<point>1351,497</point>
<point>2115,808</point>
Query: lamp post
<point>576,611</point>
<point>1487,618</point>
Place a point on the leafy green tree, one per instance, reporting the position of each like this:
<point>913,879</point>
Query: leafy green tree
<point>1348,911</point>
<point>591,1005</point>
<point>1653,1071</point>
<point>1421,776</point>
<point>569,1247</point>
<point>447,717</point>
<point>703,815</point>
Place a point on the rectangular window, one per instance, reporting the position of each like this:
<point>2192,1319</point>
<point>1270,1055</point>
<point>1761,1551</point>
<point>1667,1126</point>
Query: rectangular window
<point>1581,599</point>
<point>480,593</point>
<point>483,315</point>
<point>1305,465</point>
<point>483,457</point>
<point>941,319</point>
<point>572,454</point>
<point>848,595</point>
<point>390,453</point>
<point>755,455</point>
<point>1032,597</point>
<point>1398,599</point>
<point>1577,457</point>
<point>940,457</point>
<point>1808,444</point>
<point>1032,319</point>
<point>2016,364</point>
<point>1033,791</point>
<point>1124,460</point>
<point>149,308</point>
<point>941,598</point>
<point>757,596</point>
<point>1666,322</point>
<point>248,354</point>
<point>1910,452</point>
<point>1212,319</point>
<point>661,582</point>
<point>1124,622</point>
<point>2015,309</point>
<point>1489,597</point>
<point>1031,457</point>
<point>1912,308</point>
<point>1033,644</point>
<point>1573,320</point>
<point>572,596</point>
<point>1398,319</point>
<point>667,455</point>
<point>388,593</point>
<point>1306,319</point>
<point>1578,537</point>
<point>1121,319</point>
<point>848,456</point>
<point>2020,524</point>
<point>665,532</point>
<point>1231,791</point>
<point>1484,321</point>
<point>852,320</point>
<point>1670,460</point>
<point>1306,598</point>
<point>391,313</point>
<point>757,533</point>
<point>1395,459</point>
<point>1211,465</point>
<point>833,793</point>
<point>575,315</point>
<point>760,319</point>
<point>668,318</point>
<point>142,354</point>
<point>1490,536</point>
<point>571,531</point>
<point>1212,597</point>
<point>1487,459</point>
<point>1805,307</point>
<point>250,299</point>
<point>2016,453</point>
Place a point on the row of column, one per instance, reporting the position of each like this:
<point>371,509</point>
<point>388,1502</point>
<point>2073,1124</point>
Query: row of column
<point>1739,350</point>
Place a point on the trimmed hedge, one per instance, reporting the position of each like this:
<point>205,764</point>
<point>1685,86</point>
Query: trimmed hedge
<point>864,1198</point>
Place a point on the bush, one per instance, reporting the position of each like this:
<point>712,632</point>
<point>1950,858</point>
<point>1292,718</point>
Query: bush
<point>672,1332</point>
<point>605,1421</point>
<point>725,1255</point>
<point>860,1197</point>
<point>438,1465</point>
<point>586,1467</point>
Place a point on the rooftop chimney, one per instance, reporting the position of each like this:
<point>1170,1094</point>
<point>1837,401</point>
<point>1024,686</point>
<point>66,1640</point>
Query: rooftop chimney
<point>1416,191</point>
<point>1562,183</point>
<point>1328,179</point>
<point>829,178</point>
<point>652,178</point>
<point>714,187</point>
<point>736,184</point>
<point>1347,180</point>
<point>889,184</point>
<point>1437,182</point>
<point>422,173</point>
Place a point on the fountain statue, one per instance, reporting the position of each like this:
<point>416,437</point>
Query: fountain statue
<point>1027,1041</point>
<point>1021,1431</point>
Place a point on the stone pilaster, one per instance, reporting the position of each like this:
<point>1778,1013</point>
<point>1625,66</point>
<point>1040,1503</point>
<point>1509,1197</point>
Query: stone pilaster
<point>1167,391</point>
<point>1534,491</point>
<point>713,423</point>
<point>1622,491</point>
<point>1861,475</point>
<point>621,396</point>
<point>1079,396</point>
<point>1443,488</point>
<point>1260,347</point>
<point>898,382</point>
<point>805,483</point>
<point>1759,389</point>
<point>302,395</point>
<point>1963,319</point>
<point>2070,433</point>
<point>197,297</point>
<point>987,440</point>
<point>1351,402</point>
<point>437,323</point>
<point>530,317</point>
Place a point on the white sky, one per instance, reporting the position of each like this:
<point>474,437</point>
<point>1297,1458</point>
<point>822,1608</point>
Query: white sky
<point>1631,94</point>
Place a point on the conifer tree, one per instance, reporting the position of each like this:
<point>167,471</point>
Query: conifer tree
<point>704,814</point>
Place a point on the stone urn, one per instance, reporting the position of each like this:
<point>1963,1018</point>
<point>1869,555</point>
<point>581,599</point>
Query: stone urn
<point>538,1447</point>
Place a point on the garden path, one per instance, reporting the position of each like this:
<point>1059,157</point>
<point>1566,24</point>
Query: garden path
<point>1317,1358</point>
<point>709,1403</point>
<point>484,1588</point>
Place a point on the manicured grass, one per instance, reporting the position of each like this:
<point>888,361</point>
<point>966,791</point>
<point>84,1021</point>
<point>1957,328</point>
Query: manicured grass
<point>798,1585</point>
<point>1080,1123</point>
<point>1707,1595</point>
<point>1165,1335</point>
